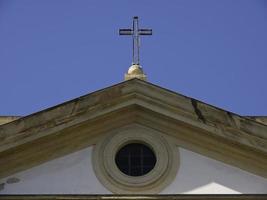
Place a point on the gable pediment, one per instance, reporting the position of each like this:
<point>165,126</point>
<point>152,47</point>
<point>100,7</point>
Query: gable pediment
<point>76,124</point>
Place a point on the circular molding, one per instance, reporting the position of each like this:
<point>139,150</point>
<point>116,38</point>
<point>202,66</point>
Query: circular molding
<point>154,181</point>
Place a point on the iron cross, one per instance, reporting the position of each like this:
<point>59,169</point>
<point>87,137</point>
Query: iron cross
<point>135,32</point>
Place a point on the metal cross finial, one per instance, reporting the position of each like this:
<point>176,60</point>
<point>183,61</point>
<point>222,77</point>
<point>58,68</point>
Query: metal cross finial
<point>135,32</point>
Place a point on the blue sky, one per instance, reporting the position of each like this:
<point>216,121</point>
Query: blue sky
<point>52,51</point>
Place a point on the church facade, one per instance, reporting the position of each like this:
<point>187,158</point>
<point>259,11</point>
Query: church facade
<point>133,138</point>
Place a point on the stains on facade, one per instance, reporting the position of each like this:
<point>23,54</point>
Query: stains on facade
<point>12,180</point>
<point>197,111</point>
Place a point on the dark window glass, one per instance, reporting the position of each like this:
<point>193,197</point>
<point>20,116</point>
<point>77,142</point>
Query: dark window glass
<point>135,159</point>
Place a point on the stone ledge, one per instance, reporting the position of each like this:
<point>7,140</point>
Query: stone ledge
<point>137,197</point>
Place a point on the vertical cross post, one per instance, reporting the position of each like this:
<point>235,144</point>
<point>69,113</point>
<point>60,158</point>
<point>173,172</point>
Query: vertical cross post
<point>135,32</point>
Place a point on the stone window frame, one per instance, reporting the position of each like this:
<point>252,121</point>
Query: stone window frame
<point>153,182</point>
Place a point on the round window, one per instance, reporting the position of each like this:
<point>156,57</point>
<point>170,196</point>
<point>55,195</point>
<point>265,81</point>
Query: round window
<point>135,159</point>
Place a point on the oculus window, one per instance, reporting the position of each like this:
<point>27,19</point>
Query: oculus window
<point>135,160</point>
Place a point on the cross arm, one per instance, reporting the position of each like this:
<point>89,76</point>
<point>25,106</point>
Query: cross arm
<point>125,31</point>
<point>145,31</point>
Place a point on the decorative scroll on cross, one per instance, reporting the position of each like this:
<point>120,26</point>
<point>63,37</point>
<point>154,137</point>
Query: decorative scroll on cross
<point>135,32</point>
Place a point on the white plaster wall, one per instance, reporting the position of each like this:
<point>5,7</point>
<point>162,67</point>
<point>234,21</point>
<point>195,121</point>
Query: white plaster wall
<point>73,174</point>
<point>202,175</point>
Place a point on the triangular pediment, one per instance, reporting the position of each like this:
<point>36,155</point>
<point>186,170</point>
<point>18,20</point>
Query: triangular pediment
<point>76,124</point>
